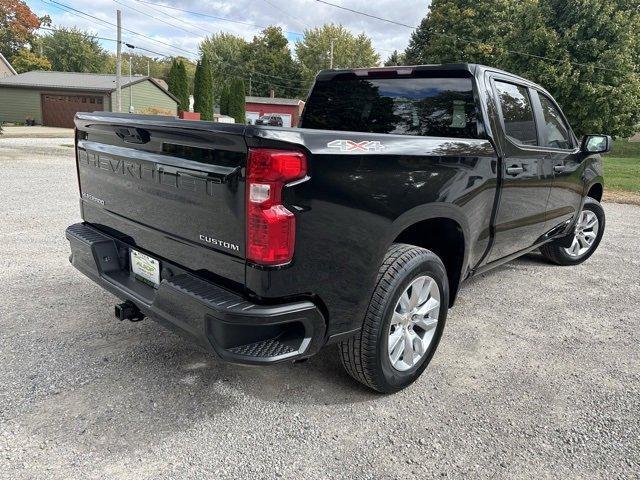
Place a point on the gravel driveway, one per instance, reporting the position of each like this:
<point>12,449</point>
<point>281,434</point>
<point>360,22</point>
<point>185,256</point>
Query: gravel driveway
<point>537,376</point>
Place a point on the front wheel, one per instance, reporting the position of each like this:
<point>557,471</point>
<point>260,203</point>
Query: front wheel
<point>585,240</point>
<point>404,321</point>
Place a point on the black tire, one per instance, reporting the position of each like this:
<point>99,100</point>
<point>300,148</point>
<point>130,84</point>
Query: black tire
<point>555,251</point>
<point>365,356</point>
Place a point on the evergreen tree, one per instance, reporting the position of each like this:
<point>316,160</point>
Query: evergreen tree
<point>179,84</point>
<point>237,100</point>
<point>395,59</point>
<point>206,89</point>
<point>224,99</point>
<point>203,89</point>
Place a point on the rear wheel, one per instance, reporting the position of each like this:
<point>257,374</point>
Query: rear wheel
<point>404,321</point>
<point>586,237</point>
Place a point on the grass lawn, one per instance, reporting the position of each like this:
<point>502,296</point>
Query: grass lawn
<point>622,173</point>
<point>622,167</point>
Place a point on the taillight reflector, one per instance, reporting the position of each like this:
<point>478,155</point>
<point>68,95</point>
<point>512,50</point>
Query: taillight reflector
<point>271,228</point>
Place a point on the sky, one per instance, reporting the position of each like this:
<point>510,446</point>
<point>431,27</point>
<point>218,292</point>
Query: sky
<point>179,33</point>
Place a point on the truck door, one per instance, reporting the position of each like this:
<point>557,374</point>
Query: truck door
<point>562,147</point>
<point>527,170</point>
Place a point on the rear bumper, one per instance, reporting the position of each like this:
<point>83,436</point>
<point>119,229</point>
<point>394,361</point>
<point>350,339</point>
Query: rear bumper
<point>219,320</point>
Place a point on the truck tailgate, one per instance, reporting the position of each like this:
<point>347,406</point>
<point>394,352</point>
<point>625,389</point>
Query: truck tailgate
<point>169,186</point>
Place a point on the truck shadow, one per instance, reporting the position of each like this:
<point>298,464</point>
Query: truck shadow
<point>321,380</point>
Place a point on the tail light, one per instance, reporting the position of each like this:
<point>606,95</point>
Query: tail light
<point>271,228</point>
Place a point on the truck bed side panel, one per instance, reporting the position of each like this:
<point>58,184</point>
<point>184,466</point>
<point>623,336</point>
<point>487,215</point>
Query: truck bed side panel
<point>357,202</point>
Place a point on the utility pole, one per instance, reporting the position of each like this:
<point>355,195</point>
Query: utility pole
<point>148,68</point>
<point>331,56</point>
<point>249,84</point>
<point>130,88</point>
<point>119,61</point>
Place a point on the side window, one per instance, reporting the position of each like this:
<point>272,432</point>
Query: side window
<point>555,132</point>
<point>519,123</point>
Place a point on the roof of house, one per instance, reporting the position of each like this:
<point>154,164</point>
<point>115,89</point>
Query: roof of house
<point>75,81</point>
<point>274,101</point>
<point>6,62</point>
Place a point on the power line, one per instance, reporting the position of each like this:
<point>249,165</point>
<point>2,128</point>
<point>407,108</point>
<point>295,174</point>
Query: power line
<point>289,83</point>
<point>455,37</point>
<point>129,45</point>
<point>83,34</point>
<point>155,18</point>
<point>101,26</point>
<point>208,32</point>
<point>125,29</point>
<point>366,14</point>
<point>297,20</point>
<point>202,14</point>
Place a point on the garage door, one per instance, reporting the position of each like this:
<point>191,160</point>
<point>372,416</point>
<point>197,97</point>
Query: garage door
<point>58,110</point>
<point>252,117</point>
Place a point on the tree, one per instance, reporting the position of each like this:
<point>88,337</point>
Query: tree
<point>26,61</point>
<point>224,99</point>
<point>179,84</point>
<point>463,31</point>
<point>228,55</point>
<point>203,89</point>
<point>594,74</point>
<point>237,100</point>
<point>74,50</point>
<point>18,25</point>
<point>349,51</point>
<point>577,37</point>
<point>271,67</point>
<point>395,59</point>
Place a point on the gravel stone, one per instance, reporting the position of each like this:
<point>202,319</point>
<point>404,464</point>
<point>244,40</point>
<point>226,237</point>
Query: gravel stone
<point>537,375</point>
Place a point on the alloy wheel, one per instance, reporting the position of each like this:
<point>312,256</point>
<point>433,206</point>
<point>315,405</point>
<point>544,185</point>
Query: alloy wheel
<point>414,322</point>
<point>585,234</point>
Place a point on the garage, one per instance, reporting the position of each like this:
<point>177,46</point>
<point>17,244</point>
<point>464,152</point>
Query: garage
<point>289,109</point>
<point>53,98</point>
<point>59,110</point>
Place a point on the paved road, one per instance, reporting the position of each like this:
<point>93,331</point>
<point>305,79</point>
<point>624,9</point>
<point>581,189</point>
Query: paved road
<point>537,376</point>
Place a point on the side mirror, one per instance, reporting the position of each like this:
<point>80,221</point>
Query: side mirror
<point>596,143</point>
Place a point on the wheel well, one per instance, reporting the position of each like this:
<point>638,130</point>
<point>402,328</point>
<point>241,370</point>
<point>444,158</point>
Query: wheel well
<point>595,192</point>
<point>445,238</point>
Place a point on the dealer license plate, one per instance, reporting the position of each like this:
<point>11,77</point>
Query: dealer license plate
<point>145,268</point>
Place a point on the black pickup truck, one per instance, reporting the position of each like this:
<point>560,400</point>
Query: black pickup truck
<point>264,244</point>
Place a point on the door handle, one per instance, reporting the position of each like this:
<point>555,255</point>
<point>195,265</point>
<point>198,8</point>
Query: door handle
<point>515,170</point>
<point>559,168</point>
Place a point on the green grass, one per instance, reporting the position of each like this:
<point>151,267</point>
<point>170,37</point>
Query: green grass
<point>622,173</point>
<point>622,166</point>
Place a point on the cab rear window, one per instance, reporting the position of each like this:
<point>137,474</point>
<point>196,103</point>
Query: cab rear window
<point>436,106</point>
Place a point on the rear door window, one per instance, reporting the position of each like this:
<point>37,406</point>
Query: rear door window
<point>555,132</point>
<point>517,113</point>
<point>437,107</point>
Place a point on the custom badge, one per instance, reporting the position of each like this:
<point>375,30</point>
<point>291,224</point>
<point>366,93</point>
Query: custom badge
<point>353,146</point>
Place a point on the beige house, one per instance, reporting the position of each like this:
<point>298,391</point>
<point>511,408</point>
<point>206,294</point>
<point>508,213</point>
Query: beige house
<point>5,67</point>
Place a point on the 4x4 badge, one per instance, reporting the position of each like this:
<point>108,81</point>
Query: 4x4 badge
<point>352,146</point>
